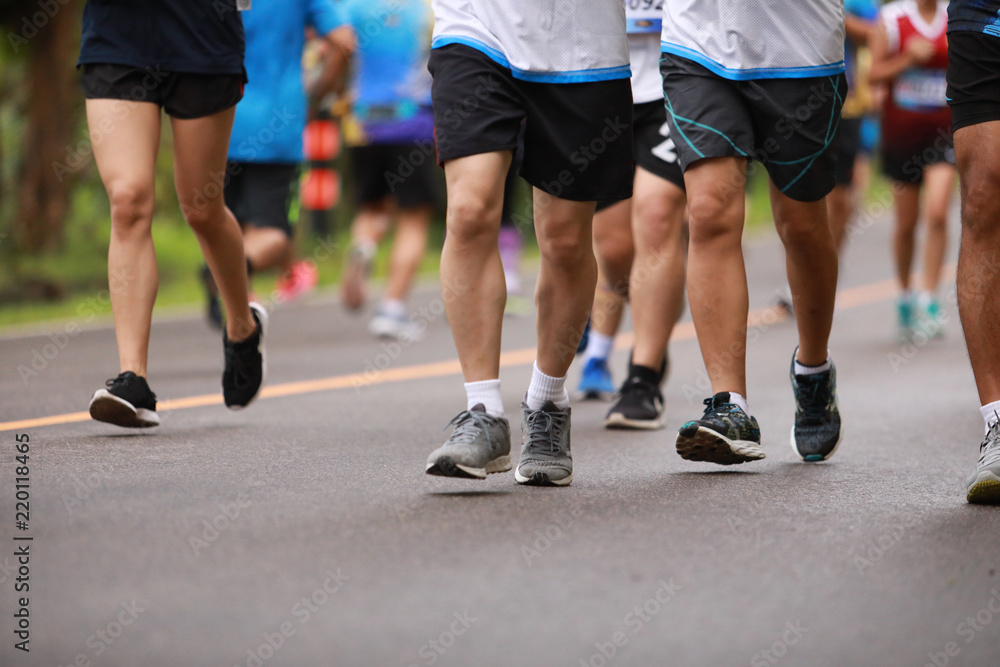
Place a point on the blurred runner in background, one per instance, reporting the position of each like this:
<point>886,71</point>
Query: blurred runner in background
<point>265,151</point>
<point>910,56</point>
<point>390,139</point>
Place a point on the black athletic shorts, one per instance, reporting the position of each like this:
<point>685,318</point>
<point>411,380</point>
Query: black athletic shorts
<point>183,95</point>
<point>786,124</point>
<point>973,78</point>
<point>404,172</point>
<point>653,148</point>
<point>578,136</point>
<point>260,194</point>
<point>846,145</point>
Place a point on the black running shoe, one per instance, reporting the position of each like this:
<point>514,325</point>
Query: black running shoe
<point>639,403</point>
<point>246,366</point>
<point>126,402</point>
<point>817,431</point>
<point>213,309</point>
<point>724,434</point>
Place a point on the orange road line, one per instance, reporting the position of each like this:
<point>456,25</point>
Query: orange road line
<point>848,298</point>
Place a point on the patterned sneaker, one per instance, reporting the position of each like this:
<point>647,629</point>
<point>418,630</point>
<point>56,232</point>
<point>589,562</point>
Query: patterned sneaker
<point>983,487</point>
<point>817,431</point>
<point>595,382</point>
<point>905,320</point>
<point>724,434</point>
<point>126,402</point>
<point>246,365</point>
<point>545,456</point>
<point>639,403</point>
<point>478,445</point>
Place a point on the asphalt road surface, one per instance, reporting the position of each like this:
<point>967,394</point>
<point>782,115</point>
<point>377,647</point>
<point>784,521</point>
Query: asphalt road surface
<point>303,531</point>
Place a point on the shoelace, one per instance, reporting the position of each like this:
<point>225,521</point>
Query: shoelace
<point>990,449</point>
<point>711,406</point>
<point>540,423</point>
<point>638,387</point>
<point>123,382</point>
<point>468,424</point>
<point>813,399</point>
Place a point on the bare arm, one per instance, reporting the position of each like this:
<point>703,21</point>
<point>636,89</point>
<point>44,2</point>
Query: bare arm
<point>339,46</point>
<point>886,67</point>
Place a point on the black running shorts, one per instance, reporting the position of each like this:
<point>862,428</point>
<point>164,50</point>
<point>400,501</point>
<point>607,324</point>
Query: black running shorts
<point>260,194</point>
<point>578,136</point>
<point>183,95</point>
<point>405,172</point>
<point>973,78</point>
<point>786,124</point>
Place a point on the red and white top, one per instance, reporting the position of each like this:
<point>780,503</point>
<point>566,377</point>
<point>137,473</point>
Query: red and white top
<point>916,99</point>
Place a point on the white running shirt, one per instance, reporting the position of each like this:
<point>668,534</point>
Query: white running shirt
<point>548,41</point>
<point>757,39</point>
<point>643,24</point>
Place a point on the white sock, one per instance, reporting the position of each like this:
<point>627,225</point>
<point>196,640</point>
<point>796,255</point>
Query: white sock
<point>989,413</point>
<point>486,392</point>
<point>598,346</point>
<point>546,388</point>
<point>394,308</point>
<point>906,296</point>
<point>802,369</point>
<point>737,399</point>
<point>925,299</point>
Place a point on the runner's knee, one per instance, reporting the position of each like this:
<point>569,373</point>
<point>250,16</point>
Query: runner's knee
<point>131,206</point>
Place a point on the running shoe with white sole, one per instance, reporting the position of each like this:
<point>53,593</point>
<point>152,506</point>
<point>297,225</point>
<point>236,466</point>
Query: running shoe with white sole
<point>126,402</point>
<point>639,405</point>
<point>546,459</point>
<point>386,325</point>
<point>817,431</point>
<point>595,381</point>
<point>725,434</point>
<point>983,487</point>
<point>478,446</point>
<point>246,364</point>
<point>905,320</point>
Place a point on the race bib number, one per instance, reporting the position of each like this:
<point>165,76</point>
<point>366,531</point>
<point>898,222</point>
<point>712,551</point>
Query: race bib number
<point>920,90</point>
<point>643,16</point>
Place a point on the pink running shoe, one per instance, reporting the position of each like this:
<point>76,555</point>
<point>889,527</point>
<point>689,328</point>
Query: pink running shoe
<point>300,279</point>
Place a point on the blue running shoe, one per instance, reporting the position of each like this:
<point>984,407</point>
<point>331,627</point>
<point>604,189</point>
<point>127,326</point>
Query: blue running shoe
<point>596,381</point>
<point>584,339</point>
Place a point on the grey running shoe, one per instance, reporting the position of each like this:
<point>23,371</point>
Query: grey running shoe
<point>983,487</point>
<point>724,434</point>
<point>479,445</point>
<point>545,456</point>
<point>817,431</point>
